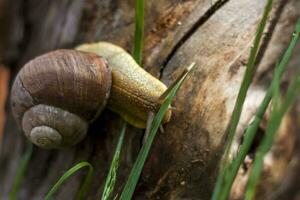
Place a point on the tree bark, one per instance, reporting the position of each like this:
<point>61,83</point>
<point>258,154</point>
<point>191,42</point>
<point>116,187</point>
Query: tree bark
<point>183,163</point>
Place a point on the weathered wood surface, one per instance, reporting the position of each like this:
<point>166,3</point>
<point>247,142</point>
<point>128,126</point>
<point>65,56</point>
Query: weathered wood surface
<point>184,159</point>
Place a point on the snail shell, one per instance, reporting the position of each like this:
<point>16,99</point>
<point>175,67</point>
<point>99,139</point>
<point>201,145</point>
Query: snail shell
<point>56,95</point>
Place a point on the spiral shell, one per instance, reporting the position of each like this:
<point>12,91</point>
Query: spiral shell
<point>56,95</point>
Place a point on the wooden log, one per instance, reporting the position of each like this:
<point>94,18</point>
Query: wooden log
<point>184,160</point>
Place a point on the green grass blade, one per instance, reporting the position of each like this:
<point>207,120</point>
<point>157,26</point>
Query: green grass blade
<point>21,172</point>
<point>271,130</point>
<point>142,156</point>
<point>137,55</point>
<point>253,127</point>
<point>250,70</point>
<point>112,174</point>
<point>276,90</point>
<point>69,173</point>
<point>139,31</point>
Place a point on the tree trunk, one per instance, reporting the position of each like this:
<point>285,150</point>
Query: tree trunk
<point>183,163</point>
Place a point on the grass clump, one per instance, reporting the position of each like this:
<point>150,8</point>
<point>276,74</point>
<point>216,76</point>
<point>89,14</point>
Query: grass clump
<point>252,128</point>
<point>248,77</point>
<point>278,111</point>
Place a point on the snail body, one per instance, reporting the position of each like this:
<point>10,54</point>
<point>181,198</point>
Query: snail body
<point>134,91</point>
<point>55,96</point>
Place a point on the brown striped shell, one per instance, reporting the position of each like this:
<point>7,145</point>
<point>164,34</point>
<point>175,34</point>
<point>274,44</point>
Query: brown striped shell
<point>56,95</point>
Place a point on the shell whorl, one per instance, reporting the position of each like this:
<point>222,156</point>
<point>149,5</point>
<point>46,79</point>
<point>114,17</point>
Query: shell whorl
<point>51,127</point>
<point>56,95</point>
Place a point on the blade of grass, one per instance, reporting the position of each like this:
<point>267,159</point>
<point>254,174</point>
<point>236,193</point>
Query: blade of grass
<point>67,175</point>
<point>271,130</point>
<point>142,156</point>
<point>253,127</point>
<point>112,174</point>
<point>139,31</point>
<point>21,172</point>
<point>276,90</point>
<point>137,55</point>
<point>250,70</point>
<point>168,90</point>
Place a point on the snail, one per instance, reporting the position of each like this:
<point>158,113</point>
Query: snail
<point>57,95</point>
